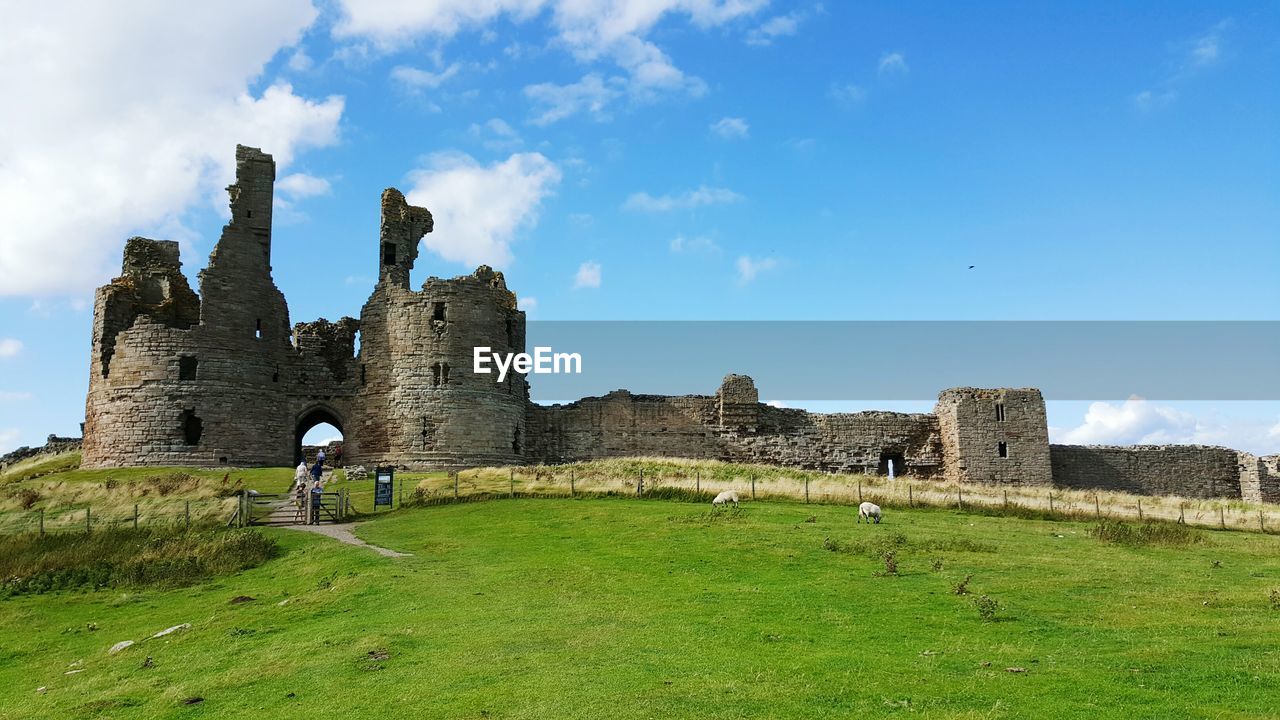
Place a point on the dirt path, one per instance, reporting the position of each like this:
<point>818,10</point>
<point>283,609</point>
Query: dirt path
<point>343,533</point>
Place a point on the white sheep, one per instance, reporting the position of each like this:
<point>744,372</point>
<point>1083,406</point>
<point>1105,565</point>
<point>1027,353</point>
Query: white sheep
<point>728,496</point>
<point>868,511</point>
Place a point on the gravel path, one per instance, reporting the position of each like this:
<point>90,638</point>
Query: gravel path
<point>343,533</point>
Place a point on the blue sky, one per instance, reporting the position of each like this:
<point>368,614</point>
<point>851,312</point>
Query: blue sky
<point>664,159</point>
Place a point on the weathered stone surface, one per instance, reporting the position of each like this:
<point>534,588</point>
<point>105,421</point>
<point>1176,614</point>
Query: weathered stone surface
<point>219,378</point>
<point>1197,471</point>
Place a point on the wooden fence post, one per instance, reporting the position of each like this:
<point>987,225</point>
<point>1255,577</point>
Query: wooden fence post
<point>1262,525</point>
<point>1182,514</point>
<point>402,492</point>
<point>859,490</point>
<point>697,482</point>
<point>135,516</point>
<point>1139,509</point>
<point>640,483</point>
<point>41,522</point>
<point>573,489</point>
<point>187,515</point>
<point>753,486</point>
<point>88,520</point>
<point>806,491</point>
<point>1097,507</point>
<point>1050,502</point>
<point>455,484</point>
<point>1006,500</point>
<point>959,497</point>
<point>1222,517</point>
<point>911,500</point>
<point>513,484</point>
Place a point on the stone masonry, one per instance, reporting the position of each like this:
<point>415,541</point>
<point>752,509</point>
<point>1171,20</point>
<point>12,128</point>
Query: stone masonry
<point>222,378</point>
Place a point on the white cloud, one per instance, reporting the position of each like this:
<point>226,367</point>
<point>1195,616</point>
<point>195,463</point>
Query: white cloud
<point>892,63</point>
<point>6,396</point>
<point>731,128</point>
<point>301,185</point>
<point>703,195</point>
<point>528,303</point>
<point>1141,422</point>
<point>776,27</point>
<point>479,208</point>
<point>1207,49</point>
<point>775,403</point>
<point>749,268</point>
<point>9,347</point>
<point>681,244</point>
<point>418,79</point>
<point>131,115</point>
<point>847,94</point>
<point>1135,421</point>
<point>1149,100</point>
<point>614,31</point>
<point>496,135</point>
<point>300,61</point>
<point>1195,57</point>
<point>588,275</point>
<point>591,95</point>
<point>9,439</point>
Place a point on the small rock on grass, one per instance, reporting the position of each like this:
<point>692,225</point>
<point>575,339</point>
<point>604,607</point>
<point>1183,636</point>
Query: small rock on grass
<point>241,599</point>
<point>170,631</point>
<point>1015,669</point>
<point>123,644</point>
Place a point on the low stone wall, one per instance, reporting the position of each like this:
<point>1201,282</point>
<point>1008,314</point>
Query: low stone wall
<point>54,444</point>
<point>1197,471</point>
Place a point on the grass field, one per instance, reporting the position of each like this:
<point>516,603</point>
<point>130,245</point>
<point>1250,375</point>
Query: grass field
<point>611,607</point>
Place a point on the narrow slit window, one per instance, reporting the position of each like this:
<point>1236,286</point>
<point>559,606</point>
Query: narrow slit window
<point>435,374</point>
<point>515,442</point>
<point>444,373</point>
<point>999,412</point>
<point>1002,449</point>
<point>187,365</point>
<point>364,377</point>
<point>437,311</point>
<point>258,330</point>
<point>388,254</point>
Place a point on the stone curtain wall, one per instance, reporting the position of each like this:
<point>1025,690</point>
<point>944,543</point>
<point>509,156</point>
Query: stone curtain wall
<point>1196,471</point>
<point>733,426</point>
<point>994,436</point>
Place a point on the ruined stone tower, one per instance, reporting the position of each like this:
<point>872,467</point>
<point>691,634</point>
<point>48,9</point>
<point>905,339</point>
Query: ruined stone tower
<point>181,379</point>
<point>994,436</point>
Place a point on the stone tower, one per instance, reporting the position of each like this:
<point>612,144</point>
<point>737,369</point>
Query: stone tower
<point>421,403</point>
<point>994,436</point>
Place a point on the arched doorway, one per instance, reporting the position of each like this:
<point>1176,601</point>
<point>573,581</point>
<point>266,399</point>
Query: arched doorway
<point>318,425</point>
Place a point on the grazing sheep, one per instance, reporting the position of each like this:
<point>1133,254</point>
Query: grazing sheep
<point>868,511</point>
<point>728,496</point>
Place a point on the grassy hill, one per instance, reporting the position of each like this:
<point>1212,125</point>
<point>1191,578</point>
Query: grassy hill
<point>610,607</point>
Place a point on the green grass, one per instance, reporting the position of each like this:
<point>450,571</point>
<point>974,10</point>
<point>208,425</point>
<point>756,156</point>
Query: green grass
<point>170,557</point>
<point>609,607</point>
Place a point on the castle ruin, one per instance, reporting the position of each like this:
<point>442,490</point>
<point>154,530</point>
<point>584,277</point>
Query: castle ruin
<point>220,378</point>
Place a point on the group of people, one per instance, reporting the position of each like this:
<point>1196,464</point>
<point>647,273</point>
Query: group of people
<point>309,480</point>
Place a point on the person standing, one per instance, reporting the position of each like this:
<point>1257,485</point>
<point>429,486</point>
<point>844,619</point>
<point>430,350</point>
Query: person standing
<point>317,493</point>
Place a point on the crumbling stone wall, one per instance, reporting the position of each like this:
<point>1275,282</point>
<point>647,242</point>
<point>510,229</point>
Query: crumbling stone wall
<point>995,436</point>
<point>734,426</point>
<point>1196,471</point>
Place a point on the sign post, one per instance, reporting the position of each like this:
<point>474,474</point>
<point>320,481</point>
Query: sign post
<point>383,486</point>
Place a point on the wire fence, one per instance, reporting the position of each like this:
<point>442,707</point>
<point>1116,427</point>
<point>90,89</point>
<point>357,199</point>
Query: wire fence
<point>904,492</point>
<point>88,517</point>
